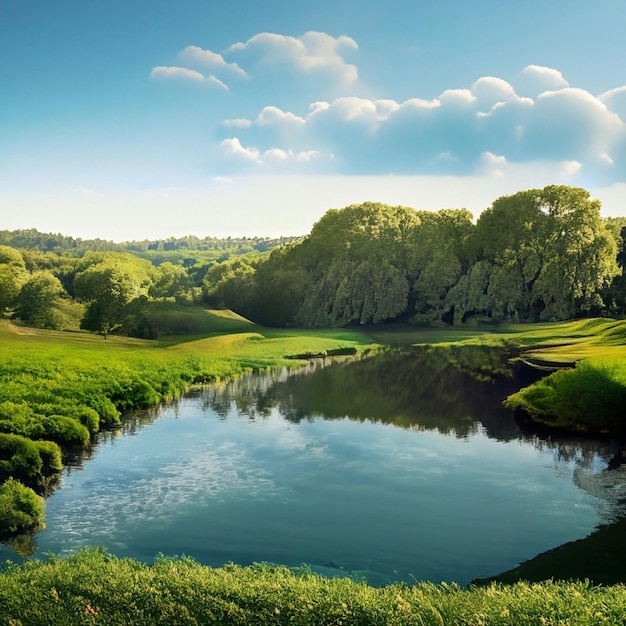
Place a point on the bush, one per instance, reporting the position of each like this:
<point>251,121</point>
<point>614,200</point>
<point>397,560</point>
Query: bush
<point>32,462</point>
<point>590,397</point>
<point>50,454</point>
<point>21,508</point>
<point>19,457</point>
<point>65,431</point>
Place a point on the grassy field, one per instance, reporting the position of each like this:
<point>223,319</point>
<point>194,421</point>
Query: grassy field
<point>566,342</point>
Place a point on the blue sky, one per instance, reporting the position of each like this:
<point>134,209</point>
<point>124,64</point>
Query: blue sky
<point>132,120</point>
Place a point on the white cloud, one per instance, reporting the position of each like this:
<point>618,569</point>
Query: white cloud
<point>282,156</point>
<point>348,109</point>
<point>463,130</point>
<point>491,93</point>
<point>543,78</point>
<point>572,124</point>
<point>457,98</point>
<point>232,147</point>
<point>238,122</point>
<point>195,54</point>
<point>176,72</point>
<point>570,168</point>
<point>491,159</point>
<point>273,115</point>
<point>313,52</point>
<point>615,100</point>
<point>183,73</point>
<point>449,134</point>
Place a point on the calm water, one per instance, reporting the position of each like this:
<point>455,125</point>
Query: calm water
<point>337,470</point>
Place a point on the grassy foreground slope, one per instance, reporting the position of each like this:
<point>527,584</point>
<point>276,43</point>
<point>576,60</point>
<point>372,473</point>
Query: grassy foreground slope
<point>92,587</point>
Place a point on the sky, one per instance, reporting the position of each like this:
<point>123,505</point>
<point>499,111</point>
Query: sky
<point>131,120</point>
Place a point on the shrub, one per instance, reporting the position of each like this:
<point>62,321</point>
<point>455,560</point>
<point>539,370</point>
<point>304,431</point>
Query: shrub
<point>50,454</point>
<point>19,457</point>
<point>590,397</point>
<point>20,508</point>
<point>65,430</point>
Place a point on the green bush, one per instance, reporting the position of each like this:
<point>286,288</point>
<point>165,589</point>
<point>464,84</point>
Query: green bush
<point>65,430</point>
<point>50,454</point>
<point>590,397</point>
<point>30,461</point>
<point>20,419</point>
<point>19,457</point>
<point>21,509</point>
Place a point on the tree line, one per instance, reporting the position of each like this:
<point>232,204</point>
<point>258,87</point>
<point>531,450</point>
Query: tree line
<point>540,254</point>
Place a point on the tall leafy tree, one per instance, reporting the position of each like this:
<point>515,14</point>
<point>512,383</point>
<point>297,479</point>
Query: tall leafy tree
<point>357,264</point>
<point>107,291</point>
<point>13,275</point>
<point>615,295</point>
<point>231,284</point>
<point>549,255</point>
<point>439,259</point>
<point>170,281</point>
<point>36,304</point>
<point>106,282</point>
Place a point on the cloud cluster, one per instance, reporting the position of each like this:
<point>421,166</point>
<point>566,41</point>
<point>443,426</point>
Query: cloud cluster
<point>313,53</point>
<point>462,131</point>
<point>536,117</point>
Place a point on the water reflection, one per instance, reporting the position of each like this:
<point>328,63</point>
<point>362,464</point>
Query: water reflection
<point>424,389</point>
<point>308,466</point>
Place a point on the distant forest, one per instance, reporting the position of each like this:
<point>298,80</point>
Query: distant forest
<point>540,254</point>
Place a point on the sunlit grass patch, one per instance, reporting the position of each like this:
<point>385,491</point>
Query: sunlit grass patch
<point>94,587</point>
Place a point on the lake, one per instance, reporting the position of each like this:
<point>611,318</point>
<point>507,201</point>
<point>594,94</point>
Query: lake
<point>382,468</point>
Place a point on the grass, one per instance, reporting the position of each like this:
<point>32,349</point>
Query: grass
<point>93,587</point>
<point>567,342</point>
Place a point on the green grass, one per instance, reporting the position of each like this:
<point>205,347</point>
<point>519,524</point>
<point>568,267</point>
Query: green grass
<point>92,587</point>
<point>567,342</point>
<point>588,397</point>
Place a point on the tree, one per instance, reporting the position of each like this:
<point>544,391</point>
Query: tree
<point>615,295</point>
<point>357,263</point>
<point>549,251</point>
<point>36,304</point>
<point>170,281</point>
<point>439,259</point>
<point>107,291</point>
<point>231,285</point>
<point>106,282</point>
<point>13,275</point>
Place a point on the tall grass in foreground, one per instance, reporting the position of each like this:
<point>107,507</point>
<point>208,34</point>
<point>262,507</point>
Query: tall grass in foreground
<point>92,587</point>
